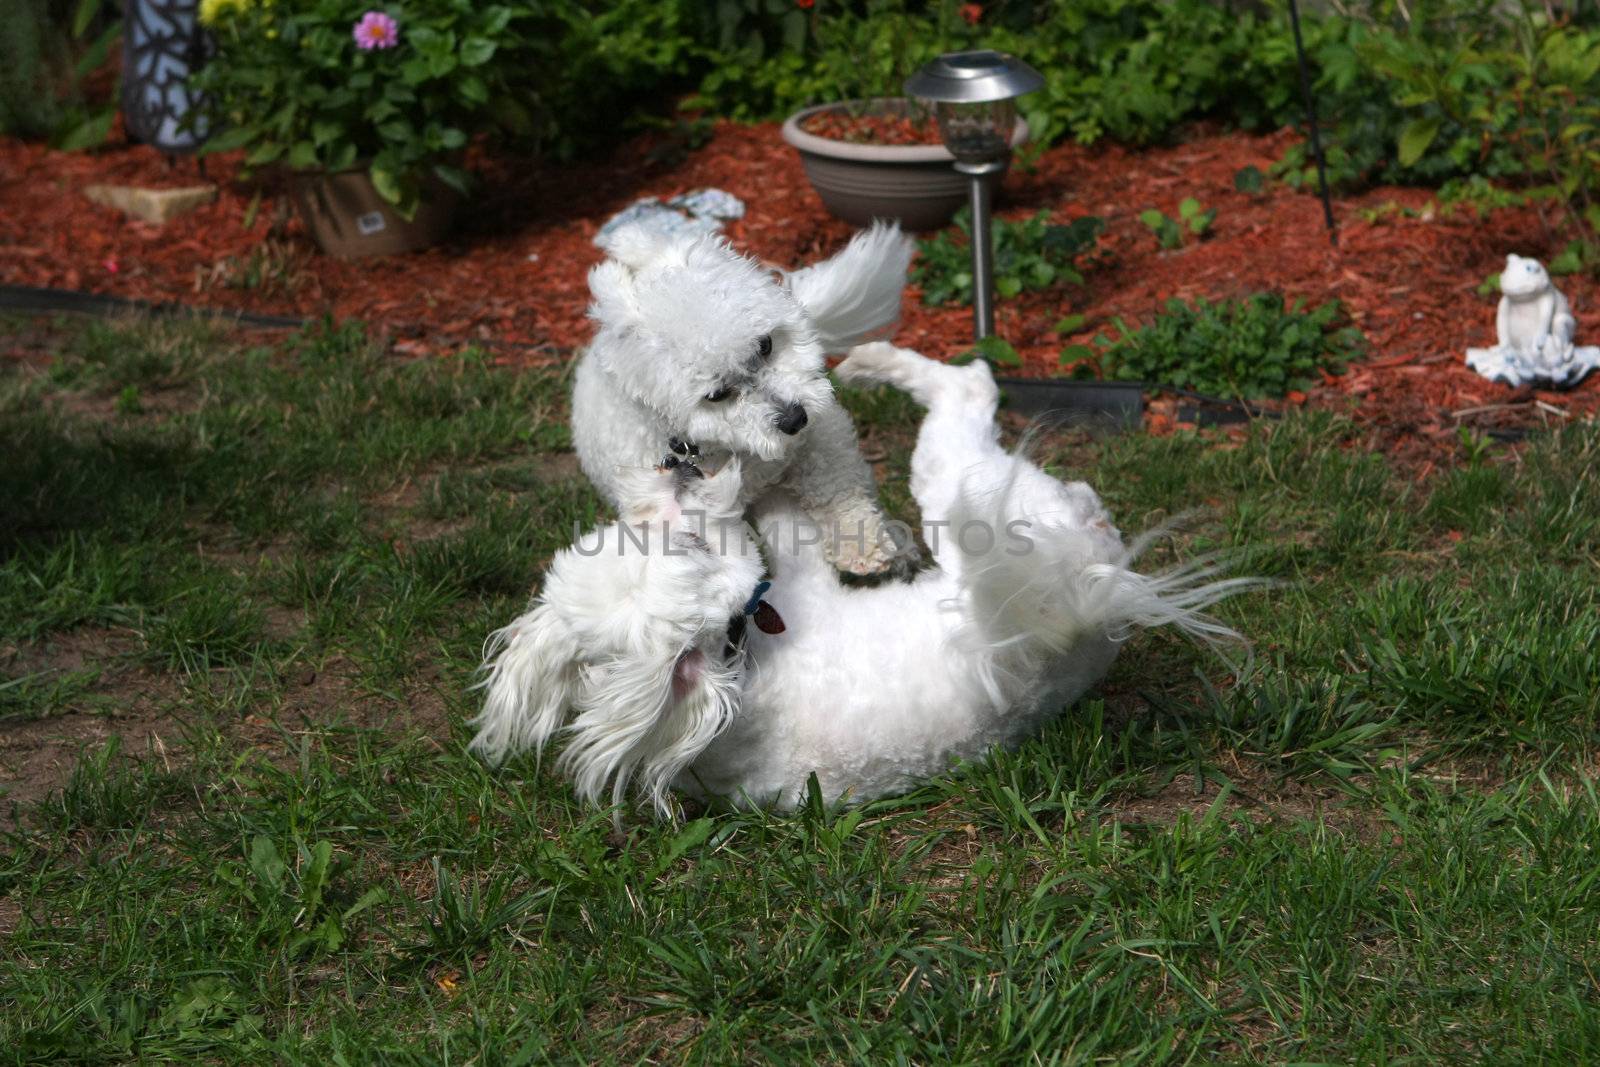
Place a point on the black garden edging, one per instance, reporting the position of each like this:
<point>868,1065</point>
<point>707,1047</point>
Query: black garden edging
<point>1115,406</point>
<point>72,302</point>
<point>1102,406</point>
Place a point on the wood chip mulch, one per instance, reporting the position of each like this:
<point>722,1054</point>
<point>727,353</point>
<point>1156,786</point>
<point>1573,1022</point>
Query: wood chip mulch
<point>514,274</point>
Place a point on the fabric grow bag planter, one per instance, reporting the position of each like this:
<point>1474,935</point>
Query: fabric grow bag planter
<point>348,218</point>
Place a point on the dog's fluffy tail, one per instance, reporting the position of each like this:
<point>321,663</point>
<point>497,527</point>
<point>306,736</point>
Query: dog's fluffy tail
<point>855,296</point>
<point>1038,593</point>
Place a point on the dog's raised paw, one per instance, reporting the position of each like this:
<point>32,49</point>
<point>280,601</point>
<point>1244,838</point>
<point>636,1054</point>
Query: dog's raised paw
<point>874,361</point>
<point>683,458</point>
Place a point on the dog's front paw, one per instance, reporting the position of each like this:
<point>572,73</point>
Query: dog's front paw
<point>872,547</point>
<point>682,457</point>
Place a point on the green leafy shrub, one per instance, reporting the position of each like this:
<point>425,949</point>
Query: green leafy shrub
<point>617,65</point>
<point>34,54</point>
<point>291,84</point>
<point>1369,64</point>
<point>1130,69</point>
<point>1029,255</point>
<point>1527,83</point>
<point>765,65</point>
<point>1250,348</point>
<point>1135,70</point>
<point>46,51</point>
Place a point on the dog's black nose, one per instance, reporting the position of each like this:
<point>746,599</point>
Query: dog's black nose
<point>793,419</point>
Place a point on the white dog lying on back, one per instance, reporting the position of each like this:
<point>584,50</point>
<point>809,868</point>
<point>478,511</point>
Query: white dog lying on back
<point>700,343</point>
<point>664,664</point>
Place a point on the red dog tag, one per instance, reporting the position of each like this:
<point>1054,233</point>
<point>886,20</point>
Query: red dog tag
<point>768,621</point>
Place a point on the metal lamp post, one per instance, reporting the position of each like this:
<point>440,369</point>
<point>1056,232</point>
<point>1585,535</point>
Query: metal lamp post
<point>974,96</point>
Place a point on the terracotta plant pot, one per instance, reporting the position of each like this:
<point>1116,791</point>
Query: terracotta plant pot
<point>861,182</point>
<point>347,217</point>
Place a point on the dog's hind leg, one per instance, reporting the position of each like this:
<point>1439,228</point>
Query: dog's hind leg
<point>959,441</point>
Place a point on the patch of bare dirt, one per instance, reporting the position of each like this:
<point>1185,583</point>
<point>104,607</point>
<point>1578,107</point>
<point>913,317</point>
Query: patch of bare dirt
<point>10,915</point>
<point>36,757</point>
<point>124,700</point>
<point>144,708</point>
<point>643,1036</point>
<point>1252,791</point>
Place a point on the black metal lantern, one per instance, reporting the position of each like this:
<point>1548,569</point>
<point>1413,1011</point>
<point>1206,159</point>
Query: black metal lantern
<point>162,44</point>
<point>974,96</point>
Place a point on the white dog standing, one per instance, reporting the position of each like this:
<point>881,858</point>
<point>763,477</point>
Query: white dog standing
<point>870,689</point>
<point>699,343</point>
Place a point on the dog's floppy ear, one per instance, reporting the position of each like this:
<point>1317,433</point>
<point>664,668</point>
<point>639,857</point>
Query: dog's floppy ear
<point>855,296</point>
<point>612,286</point>
<point>630,249</point>
<point>530,670</point>
<point>644,719</point>
<point>636,247</point>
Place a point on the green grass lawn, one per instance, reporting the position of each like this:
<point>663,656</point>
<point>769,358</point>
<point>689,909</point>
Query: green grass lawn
<point>244,587</point>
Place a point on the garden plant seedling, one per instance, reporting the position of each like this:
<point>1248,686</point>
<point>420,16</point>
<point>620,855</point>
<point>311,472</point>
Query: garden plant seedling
<point>1030,255</point>
<point>1248,349</point>
<point>1192,221</point>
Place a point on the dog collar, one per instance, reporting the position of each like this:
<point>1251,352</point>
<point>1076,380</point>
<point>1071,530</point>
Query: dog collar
<point>765,616</point>
<point>755,598</point>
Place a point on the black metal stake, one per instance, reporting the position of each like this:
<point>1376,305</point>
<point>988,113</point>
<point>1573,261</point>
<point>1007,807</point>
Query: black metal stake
<point>1311,123</point>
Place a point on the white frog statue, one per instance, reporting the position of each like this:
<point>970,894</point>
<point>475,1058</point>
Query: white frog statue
<point>1534,327</point>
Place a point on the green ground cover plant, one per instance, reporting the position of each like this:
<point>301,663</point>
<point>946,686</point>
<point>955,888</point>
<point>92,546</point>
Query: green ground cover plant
<point>1193,221</point>
<point>1029,255</point>
<point>1252,348</point>
<point>47,53</point>
<point>273,580</point>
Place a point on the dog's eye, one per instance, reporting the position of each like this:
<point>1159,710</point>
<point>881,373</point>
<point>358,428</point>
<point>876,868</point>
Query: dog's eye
<point>764,346</point>
<point>720,393</point>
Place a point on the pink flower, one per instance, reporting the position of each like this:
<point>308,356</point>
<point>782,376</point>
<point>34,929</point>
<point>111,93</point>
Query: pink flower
<point>376,30</point>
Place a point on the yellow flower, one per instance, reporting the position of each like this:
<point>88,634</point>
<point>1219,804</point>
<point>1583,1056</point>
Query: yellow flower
<point>211,11</point>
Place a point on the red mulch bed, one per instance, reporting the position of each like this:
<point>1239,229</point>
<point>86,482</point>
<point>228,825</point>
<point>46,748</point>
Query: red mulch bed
<point>514,275</point>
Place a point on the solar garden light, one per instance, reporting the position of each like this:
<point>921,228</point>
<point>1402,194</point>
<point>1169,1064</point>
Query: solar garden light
<point>974,96</point>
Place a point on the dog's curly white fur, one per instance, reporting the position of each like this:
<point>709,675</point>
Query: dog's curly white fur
<point>871,690</point>
<point>699,342</point>
<point>629,634</point>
